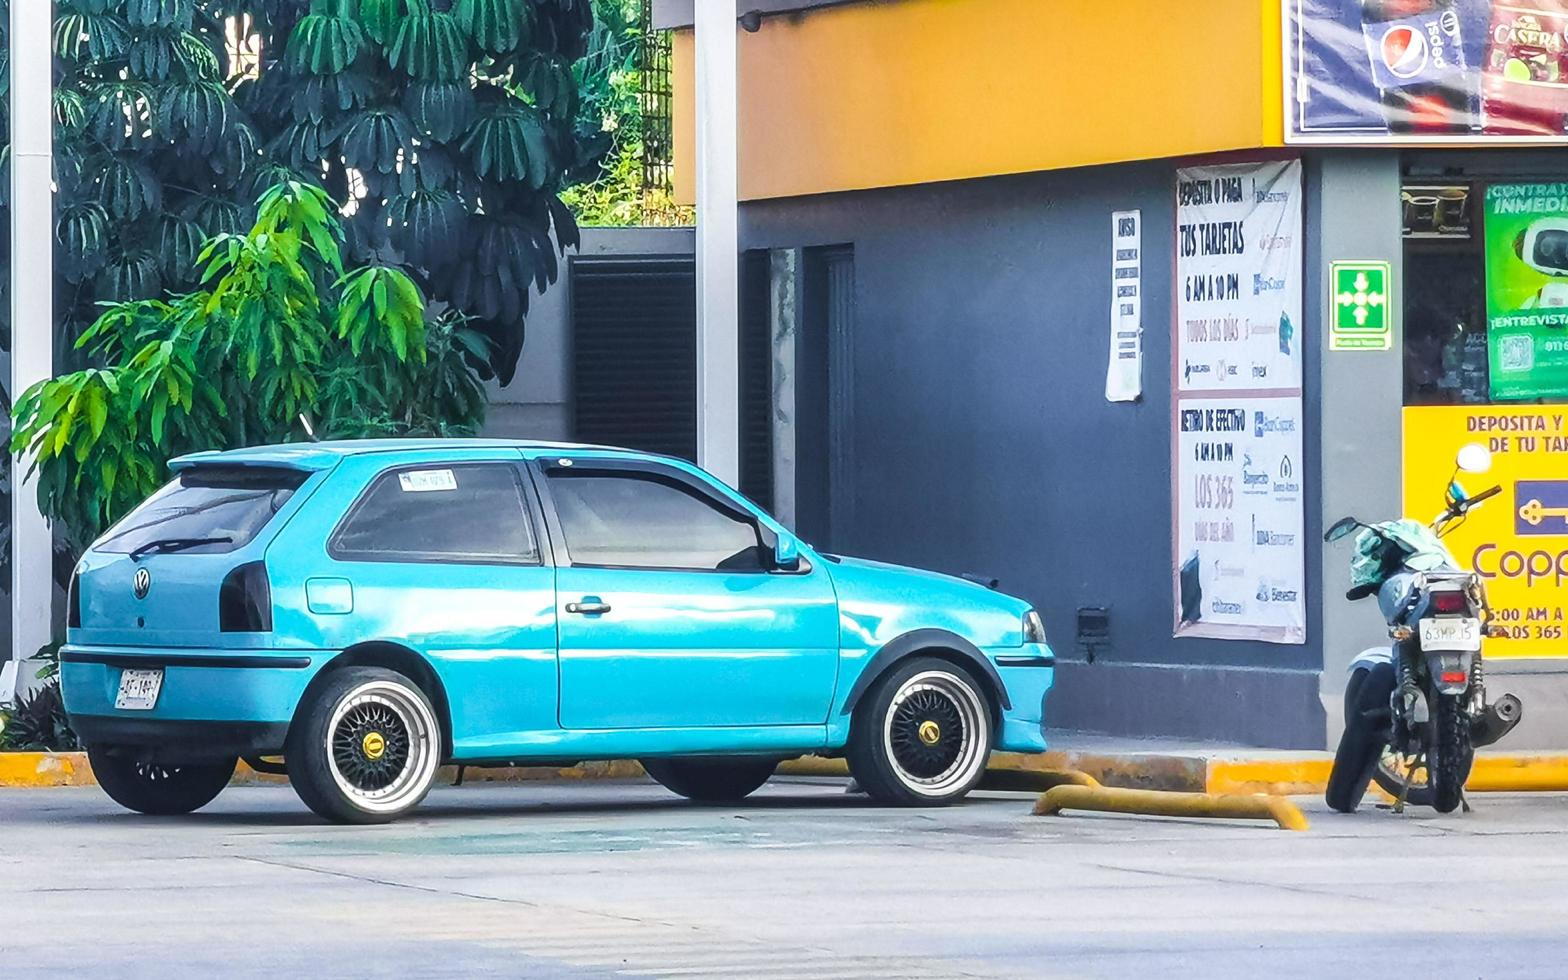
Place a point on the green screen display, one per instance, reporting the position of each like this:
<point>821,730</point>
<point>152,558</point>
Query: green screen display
<point>1527,290</point>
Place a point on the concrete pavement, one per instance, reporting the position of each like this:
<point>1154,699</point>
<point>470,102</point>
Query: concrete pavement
<point>617,878</point>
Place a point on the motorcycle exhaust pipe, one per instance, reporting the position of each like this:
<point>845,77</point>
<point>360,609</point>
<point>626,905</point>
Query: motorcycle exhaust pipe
<point>1497,720</point>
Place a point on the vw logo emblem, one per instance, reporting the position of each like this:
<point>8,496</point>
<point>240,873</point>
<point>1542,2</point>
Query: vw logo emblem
<point>141,583</point>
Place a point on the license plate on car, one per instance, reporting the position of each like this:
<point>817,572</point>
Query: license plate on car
<point>139,689</point>
<point>1450,634</point>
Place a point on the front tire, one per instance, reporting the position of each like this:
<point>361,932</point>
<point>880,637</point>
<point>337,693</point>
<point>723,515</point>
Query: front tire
<point>366,747</point>
<point>711,780</point>
<point>922,735</point>
<point>155,789</point>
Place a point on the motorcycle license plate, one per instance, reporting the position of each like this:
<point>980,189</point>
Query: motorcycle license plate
<point>1450,634</point>
<point>138,690</point>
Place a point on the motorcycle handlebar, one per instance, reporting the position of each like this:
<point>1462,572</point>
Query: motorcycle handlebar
<point>1483,495</point>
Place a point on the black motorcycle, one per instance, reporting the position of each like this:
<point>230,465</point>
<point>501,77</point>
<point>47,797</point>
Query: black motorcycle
<point>1416,711</point>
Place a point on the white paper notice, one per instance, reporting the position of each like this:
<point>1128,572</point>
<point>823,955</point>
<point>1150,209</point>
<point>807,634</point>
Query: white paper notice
<point>1239,536</point>
<point>1124,375</point>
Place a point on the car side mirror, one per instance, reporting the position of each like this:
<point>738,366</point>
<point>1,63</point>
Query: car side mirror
<point>786,555</point>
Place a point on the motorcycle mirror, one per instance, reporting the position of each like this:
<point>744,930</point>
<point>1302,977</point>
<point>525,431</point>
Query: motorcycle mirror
<point>1474,458</point>
<point>1341,529</point>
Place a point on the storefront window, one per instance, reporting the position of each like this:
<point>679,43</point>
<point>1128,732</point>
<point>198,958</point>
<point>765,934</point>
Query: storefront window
<point>1486,291</point>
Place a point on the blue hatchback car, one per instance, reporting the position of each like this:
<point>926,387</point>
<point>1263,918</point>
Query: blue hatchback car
<point>370,610</point>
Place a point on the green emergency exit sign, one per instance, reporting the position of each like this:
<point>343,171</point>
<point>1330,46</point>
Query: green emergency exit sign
<point>1361,296</point>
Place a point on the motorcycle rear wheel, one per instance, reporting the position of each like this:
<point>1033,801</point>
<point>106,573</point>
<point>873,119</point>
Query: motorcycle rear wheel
<point>1448,753</point>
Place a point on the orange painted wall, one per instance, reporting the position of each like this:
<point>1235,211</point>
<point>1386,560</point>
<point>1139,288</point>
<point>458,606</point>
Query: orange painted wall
<point>914,91</point>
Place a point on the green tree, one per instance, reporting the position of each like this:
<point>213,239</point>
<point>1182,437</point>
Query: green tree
<point>152,155</point>
<point>278,334</point>
<point>445,130</point>
<point>447,127</point>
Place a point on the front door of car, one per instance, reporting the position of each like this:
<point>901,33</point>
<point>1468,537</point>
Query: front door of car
<point>445,557</point>
<point>669,613</point>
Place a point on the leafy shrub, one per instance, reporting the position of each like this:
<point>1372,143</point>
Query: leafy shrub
<point>279,336</point>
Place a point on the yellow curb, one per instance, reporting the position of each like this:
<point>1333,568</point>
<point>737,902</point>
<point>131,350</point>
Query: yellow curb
<point>1303,774</point>
<point>1518,774</point>
<point>42,769</point>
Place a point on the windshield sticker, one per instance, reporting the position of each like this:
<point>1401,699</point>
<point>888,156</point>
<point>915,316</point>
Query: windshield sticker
<point>427,481</point>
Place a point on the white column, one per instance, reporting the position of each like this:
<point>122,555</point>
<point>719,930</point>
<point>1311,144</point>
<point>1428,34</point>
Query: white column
<point>32,315</point>
<point>718,249</point>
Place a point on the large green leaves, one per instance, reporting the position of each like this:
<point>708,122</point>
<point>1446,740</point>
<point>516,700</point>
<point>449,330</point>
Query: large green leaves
<point>428,226</point>
<point>323,44</point>
<point>128,188</point>
<point>377,140</point>
<point>496,26</point>
<point>159,13</point>
<point>196,114</point>
<point>430,45</point>
<point>508,142</point>
<point>120,115</point>
<point>439,110</point>
<point>82,234</point>
<point>381,308</point>
<point>98,36</point>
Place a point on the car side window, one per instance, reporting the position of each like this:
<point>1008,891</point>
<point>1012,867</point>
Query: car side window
<point>641,520</point>
<point>471,512</point>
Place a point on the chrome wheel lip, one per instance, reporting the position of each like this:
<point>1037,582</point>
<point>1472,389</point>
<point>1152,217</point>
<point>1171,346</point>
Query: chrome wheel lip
<point>975,733</point>
<point>419,769</point>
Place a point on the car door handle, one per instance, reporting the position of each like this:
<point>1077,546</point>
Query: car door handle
<point>588,607</point>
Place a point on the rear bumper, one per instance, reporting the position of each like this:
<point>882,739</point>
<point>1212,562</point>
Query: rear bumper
<point>161,740</point>
<point>238,699</point>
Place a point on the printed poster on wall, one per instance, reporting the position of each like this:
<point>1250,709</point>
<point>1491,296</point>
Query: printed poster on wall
<point>1526,231</point>
<point>1518,540</point>
<point>1426,71</point>
<point>1239,277</point>
<point>1124,374</point>
<point>1239,534</point>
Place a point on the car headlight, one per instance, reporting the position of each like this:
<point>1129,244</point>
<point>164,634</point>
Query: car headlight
<point>1034,629</point>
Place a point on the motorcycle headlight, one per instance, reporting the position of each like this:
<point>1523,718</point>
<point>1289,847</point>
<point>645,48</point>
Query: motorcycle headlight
<point>1034,629</point>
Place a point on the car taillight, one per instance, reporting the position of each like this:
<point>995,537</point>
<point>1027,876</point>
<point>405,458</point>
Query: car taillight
<point>1450,601</point>
<point>245,600</point>
<point>73,602</point>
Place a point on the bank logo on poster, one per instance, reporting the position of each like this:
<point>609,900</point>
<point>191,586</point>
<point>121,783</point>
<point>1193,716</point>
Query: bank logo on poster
<point>1236,503</point>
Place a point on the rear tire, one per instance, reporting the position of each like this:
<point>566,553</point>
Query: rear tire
<point>922,735</point>
<point>365,748</point>
<point>1449,754</point>
<point>711,780</point>
<point>155,789</point>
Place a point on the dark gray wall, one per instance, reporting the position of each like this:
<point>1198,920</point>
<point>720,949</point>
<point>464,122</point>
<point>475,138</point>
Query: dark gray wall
<point>985,444</point>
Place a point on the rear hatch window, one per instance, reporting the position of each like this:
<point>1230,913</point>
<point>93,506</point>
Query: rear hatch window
<point>205,510</point>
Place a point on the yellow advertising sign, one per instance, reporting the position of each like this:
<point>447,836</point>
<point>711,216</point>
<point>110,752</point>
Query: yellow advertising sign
<point>1518,540</point>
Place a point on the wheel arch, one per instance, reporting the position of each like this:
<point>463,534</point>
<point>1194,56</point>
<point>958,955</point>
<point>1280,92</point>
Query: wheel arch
<point>943,645</point>
<point>393,656</point>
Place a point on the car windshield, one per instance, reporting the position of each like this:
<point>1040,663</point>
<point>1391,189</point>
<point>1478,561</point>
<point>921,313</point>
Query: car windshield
<point>223,508</point>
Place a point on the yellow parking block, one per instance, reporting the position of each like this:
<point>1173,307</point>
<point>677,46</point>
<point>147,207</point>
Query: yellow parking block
<point>1159,803</point>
